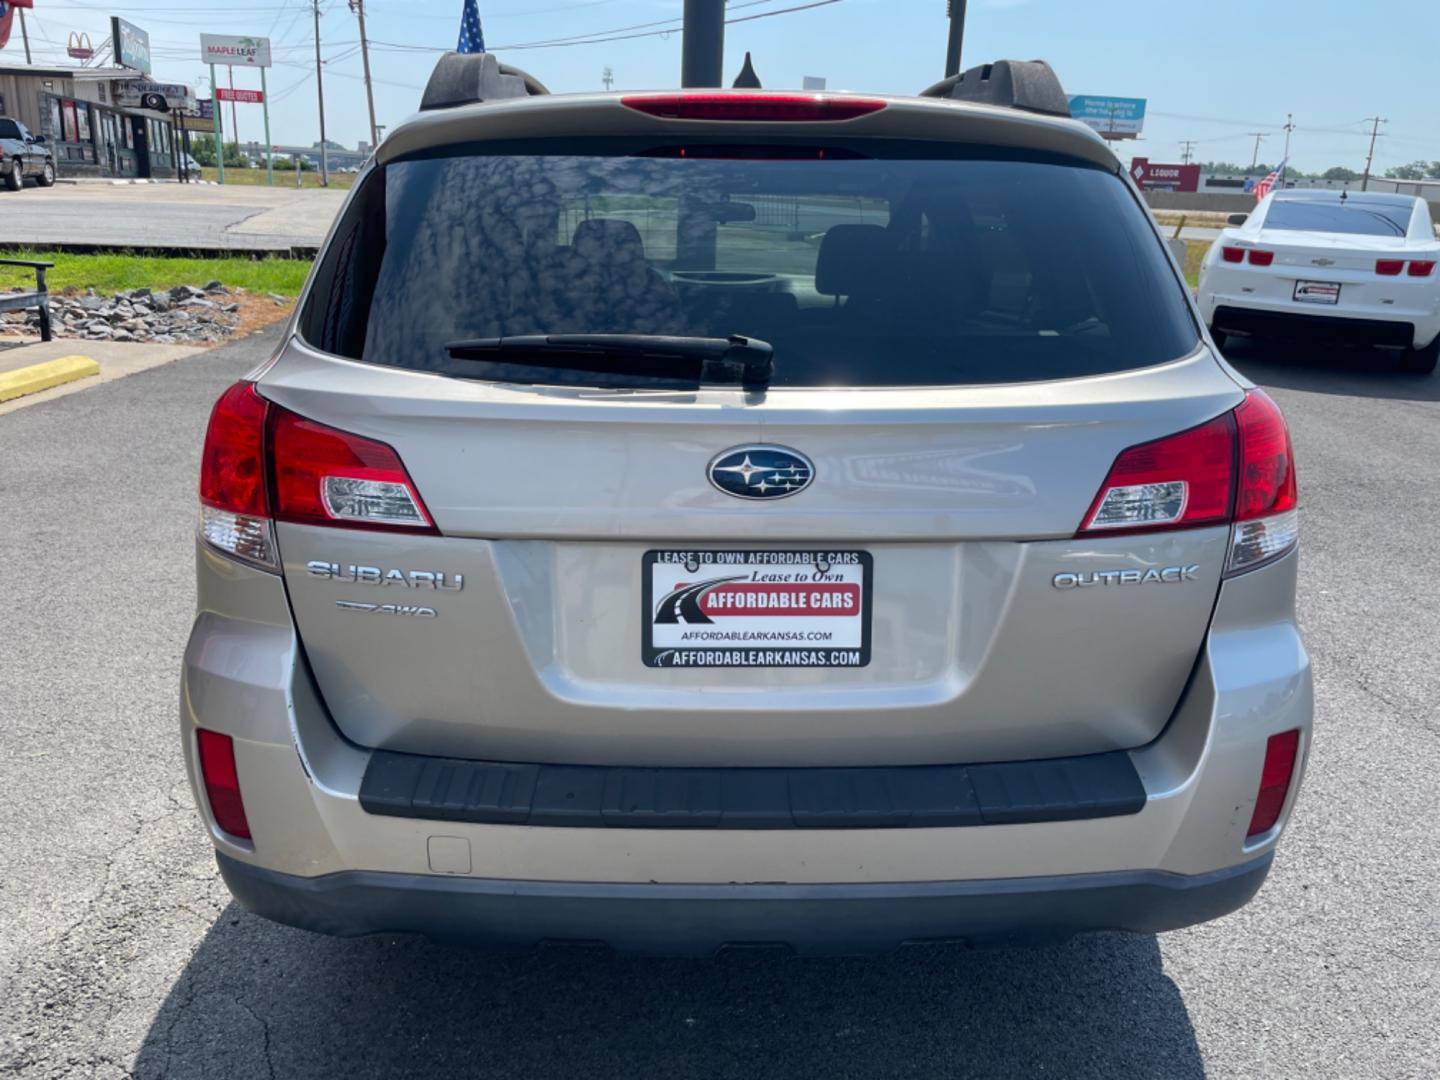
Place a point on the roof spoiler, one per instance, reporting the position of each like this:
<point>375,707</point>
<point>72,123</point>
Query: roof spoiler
<point>470,78</point>
<point>1031,85</point>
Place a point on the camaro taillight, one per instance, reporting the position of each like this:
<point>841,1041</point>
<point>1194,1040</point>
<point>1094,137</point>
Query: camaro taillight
<point>1261,258</point>
<point>1389,267</point>
<point>263,464</point>
<point>745,106</point>
<point>1232,254</point>
<point>1236,469</point>
<point>1421,267</point>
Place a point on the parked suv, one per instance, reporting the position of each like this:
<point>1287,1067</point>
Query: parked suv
<point>680,519</point>
<point>23,155</point>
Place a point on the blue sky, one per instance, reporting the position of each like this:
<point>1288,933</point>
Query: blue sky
<point>1212,70</point>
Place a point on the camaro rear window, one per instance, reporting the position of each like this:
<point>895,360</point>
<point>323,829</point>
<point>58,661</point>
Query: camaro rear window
<point>1353,216</point>
<point>857,270</point>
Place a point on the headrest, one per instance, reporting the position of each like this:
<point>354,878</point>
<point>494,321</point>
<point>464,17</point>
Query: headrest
<point>851,257</point>
<point>611,239</point>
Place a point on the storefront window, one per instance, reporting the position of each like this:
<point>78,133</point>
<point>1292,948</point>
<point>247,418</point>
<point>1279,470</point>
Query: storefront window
<point>68,109</point>
<point>82,115</point>
<point>55,127</point>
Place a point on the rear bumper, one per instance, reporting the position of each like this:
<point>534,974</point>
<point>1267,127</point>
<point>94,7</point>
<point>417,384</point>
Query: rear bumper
<point>1334,329</point>
<point>699,919</point>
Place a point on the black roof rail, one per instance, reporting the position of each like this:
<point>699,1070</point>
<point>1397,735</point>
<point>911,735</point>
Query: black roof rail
<point>1031,85</point>
<point>470,78</point>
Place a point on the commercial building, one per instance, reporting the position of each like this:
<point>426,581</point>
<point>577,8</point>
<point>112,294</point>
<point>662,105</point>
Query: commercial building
<point>95,119</point>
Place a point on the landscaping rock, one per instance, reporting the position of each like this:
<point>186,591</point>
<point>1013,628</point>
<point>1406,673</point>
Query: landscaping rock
<point>183,315</point>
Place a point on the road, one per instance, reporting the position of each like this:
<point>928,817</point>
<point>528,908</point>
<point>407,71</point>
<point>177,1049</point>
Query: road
<point>121,954</point>
<point>169,215</point>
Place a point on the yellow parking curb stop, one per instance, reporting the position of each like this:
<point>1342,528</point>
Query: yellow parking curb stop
<point>37,377</point>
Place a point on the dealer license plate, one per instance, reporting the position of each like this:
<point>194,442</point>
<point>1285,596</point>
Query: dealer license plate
<point>775,609</point>
<point>1317,292</point>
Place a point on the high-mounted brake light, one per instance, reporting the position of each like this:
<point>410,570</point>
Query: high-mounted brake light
<point>1237,469</point>
<point>1389,267</point>
<point>263,464</point>
<point>1261,258</point>
<point>748,106</point>
<point>324,476</point>
<point>1421,267</point>
<point>1281,752</point>
<point>1233,254</point>
<point>222,782</point>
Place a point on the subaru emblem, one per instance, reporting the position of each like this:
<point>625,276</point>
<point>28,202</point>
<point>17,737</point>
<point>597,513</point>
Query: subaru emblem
<point>761,472</point>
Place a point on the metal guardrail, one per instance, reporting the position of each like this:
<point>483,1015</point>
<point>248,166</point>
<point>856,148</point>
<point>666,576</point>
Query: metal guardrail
<point>40,298</point>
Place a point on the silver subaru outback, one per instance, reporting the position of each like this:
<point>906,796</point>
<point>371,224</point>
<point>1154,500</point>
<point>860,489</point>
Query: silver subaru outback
<point>685,519</point>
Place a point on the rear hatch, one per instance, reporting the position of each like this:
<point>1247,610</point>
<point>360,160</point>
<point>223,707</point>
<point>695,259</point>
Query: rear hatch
<point>873,560</point>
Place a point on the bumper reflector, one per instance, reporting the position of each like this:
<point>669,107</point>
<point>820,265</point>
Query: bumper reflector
<point>222,784</point>
<point>1281,752</point>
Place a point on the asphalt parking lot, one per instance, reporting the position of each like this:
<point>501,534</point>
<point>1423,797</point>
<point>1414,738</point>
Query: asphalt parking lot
<point>121,954</point>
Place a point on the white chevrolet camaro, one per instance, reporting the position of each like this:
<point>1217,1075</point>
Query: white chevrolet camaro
<point>1340,266</point>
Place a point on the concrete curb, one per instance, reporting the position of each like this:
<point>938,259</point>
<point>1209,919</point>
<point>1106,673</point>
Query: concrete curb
<point>37,377</point>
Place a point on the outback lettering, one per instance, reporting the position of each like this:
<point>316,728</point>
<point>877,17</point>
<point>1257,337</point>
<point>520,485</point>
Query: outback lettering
<point>1086,578</point>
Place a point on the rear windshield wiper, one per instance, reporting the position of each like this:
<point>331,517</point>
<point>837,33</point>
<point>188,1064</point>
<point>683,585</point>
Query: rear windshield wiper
<point>747,361</point>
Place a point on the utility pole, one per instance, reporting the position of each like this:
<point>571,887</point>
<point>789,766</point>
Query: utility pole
<point>358,7</point>
<point>234,120</point>
<point>1285,161</point>
<point>1187,145</point>
<point>24,34</point>
<point>608,78</point>
<point>1255,158</point>
<point>955,9</point>
<point>1375,121</point>
<point>320,89</point>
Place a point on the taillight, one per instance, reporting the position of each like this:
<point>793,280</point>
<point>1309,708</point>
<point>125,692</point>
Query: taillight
<point>1421,267</point>
<point>751,106</point>
<point>1237,469</point>
<point>1178,482</point>
<point>1232,254</point>
<point>1261,258</point>
<point>262,463</point>
<point>1266,520</point>
<point>222,782</point>
<point>1276,774</point>
<point>1389,267</point>
<point>234,510</point>
<point>324,476</point>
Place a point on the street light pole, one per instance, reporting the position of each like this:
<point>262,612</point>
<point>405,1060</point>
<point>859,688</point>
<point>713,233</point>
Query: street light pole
<point>24,34</point>
<point>320,89</point>
<point>702,52</point>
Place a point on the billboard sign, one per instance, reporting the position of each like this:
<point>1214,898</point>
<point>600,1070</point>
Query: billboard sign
<point>161,97</point>
<point>1112,117</point>
<point>234,51</point>
<point>1149,176</point>
<point>129,45</point>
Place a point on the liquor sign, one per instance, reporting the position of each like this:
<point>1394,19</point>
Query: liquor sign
<point>1152,177</point>
<point>130,45</point>
<point>244,97</point>
<point>235,51</point>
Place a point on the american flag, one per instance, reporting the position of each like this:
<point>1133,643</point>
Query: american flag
<point>1263,187</point>
<point>471,38</point>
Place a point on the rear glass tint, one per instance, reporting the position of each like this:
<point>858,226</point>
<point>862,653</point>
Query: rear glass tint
<point>859,271</point>
<point>1353,216</point>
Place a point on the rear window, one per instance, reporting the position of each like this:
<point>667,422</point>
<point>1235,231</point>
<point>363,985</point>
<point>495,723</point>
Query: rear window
<point>859,271</point>
<point>1351,216</point>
